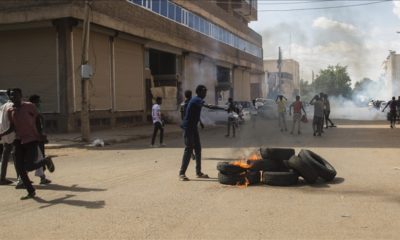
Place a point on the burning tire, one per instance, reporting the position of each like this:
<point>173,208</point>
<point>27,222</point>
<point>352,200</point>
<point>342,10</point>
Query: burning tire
<point>304,167</point>
<point>231,179</point>
<point>229,169</point>
<point>253,177</point>
<point>280,178</point>
<point>324,169</point>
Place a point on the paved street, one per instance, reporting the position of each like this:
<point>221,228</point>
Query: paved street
<point>131,191</point>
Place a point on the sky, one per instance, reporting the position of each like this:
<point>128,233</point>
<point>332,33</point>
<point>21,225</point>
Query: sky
<point>359,37</point>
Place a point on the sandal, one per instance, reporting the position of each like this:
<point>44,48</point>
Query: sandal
<point>202,175</point>
<point>183,178</point>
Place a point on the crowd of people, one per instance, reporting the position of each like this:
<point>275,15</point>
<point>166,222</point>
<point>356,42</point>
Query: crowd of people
<point>23,140</point>
<point>322,112</point>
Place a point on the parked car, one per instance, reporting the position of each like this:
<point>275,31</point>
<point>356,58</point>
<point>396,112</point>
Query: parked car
<point>3,97</point>
<point>267,108</point>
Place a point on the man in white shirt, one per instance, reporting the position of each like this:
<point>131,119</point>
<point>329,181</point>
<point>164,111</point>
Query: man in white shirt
<point>6,141</point>
<point>157,122</point>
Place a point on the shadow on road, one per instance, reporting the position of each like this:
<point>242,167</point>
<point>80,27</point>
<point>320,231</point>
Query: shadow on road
<point>66,200</point>
<point>73,188</point>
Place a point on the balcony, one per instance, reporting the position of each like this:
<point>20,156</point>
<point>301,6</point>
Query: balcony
<point>246,8</point>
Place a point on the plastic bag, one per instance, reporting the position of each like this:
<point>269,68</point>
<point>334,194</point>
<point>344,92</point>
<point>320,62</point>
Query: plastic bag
<point>304,119</point>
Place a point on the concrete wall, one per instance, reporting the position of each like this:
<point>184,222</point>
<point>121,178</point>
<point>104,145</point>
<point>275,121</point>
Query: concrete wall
<point>198,70</point>
<point>241,85</point>
<point>28,60</point>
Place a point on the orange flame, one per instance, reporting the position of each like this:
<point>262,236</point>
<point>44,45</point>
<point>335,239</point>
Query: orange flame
<point>241,163</point>
<point>254,156</point>
<point>245,184</point>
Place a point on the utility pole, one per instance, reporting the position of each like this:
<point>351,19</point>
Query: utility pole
<point>279,69</point>
<point>85,76</point>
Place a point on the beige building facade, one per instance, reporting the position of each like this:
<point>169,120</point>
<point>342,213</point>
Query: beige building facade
<point>288,83</point>
<point>138,50</point>
<point>392,74</point>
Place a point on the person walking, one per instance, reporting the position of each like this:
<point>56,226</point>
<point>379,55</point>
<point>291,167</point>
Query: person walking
<point>7,142</point>
<point>24,120</point>
<point>232,117</point>
<point>191,133</point>
<point>35,99</point>
<point>281,102</point>
<point>318,115</point>
<point>392,113</point>
<point>297,107</point>
<point>157,122</point>
<point>327,111</point>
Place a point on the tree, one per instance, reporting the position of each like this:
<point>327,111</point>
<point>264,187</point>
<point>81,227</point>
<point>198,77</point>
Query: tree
<point>360,86</point>
<point>334,81</point>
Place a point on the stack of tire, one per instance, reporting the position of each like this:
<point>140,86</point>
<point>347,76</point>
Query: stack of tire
<point>279,167</point>
<point>276,171</point>
<point>283,167</point>
<point>230,174</point>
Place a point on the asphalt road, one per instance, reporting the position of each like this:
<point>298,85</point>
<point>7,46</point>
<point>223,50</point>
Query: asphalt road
<point>131,191</point>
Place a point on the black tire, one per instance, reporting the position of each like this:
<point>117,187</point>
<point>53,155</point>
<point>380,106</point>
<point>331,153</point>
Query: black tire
<point>273,165</point>
<point>324,169</point>
<point>227,168</point>
<point>278,154</point>
<point>266,165</point>
<point>253,177</point>
<point>304,168</point>
<point>231,179</point>
<point>280,178</point>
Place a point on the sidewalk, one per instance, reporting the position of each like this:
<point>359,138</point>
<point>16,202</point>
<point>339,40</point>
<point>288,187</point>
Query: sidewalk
<point>109,136</point>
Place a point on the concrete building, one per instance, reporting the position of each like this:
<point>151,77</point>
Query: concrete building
<point>392,73</point>
<point>289,84</point>
<point>139,49</point>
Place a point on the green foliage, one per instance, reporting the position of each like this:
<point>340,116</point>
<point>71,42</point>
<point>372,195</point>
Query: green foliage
<point>334,81</point>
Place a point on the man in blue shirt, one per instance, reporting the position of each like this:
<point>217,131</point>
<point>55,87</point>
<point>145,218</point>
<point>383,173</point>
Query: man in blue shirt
<point>191,133</point>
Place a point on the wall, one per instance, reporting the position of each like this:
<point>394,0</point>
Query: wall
<point>29,61</point>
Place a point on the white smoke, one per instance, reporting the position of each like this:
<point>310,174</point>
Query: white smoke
<point>342,108</point>
<point>358,108</point>
<point>329,24</point>
<point>396,8</point>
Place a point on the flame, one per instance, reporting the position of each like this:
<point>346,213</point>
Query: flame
<point>241,163</point>
<point>254,156</point>
<point>245,184</point>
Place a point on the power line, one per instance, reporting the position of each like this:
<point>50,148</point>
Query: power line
<point>319,8</point>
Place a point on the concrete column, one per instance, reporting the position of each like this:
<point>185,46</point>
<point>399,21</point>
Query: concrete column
<point>65,72</point>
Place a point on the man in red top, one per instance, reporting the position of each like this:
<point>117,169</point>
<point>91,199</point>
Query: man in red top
<point>297,107</point>
<point>24,121</point>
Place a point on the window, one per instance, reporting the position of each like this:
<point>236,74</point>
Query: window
<point>178,14</point>
<point>155,6</point>
<point>207,28</point>
<point>191,20</point>
<point>171,11</point>
<point>138,2</point>
<point>196,23</point>
<point>164,8</point>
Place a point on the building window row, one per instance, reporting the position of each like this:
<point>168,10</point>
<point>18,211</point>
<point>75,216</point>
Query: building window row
<point>182,16</point>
